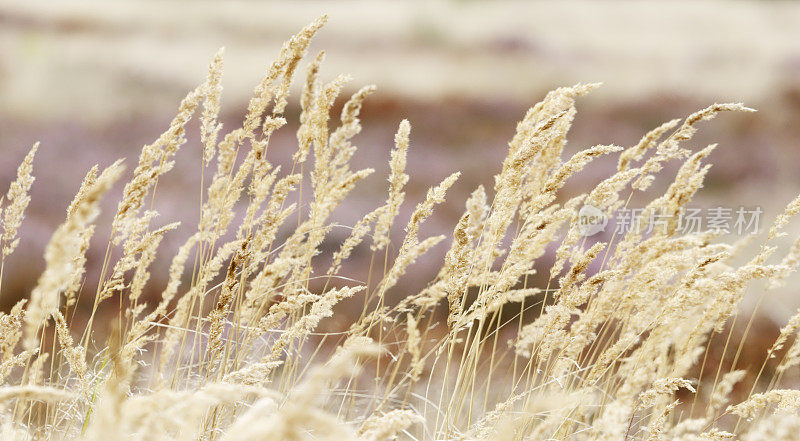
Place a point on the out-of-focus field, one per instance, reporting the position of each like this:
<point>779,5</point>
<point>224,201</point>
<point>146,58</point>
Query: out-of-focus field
<point>102,59</point>
<point>95,81</point>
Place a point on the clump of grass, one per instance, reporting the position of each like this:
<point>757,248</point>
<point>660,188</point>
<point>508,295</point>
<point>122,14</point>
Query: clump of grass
<point>230,350</point>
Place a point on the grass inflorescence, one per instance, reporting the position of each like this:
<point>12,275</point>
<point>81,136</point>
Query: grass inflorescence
<point>232,349</point>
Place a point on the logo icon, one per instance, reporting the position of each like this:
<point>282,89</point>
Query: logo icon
<point>591,220</point>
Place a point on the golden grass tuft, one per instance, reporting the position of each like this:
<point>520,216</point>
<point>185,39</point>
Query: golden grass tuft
<point>613,347</point>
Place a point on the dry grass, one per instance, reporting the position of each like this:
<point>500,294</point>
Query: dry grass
<point>233,350</point>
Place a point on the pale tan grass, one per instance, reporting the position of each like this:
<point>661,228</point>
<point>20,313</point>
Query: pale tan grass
<point>255,341</point>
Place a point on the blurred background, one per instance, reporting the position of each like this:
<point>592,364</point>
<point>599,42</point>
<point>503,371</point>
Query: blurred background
<point>94,81</point>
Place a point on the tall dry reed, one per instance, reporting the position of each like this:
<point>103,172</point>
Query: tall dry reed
<point>231,350</point>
